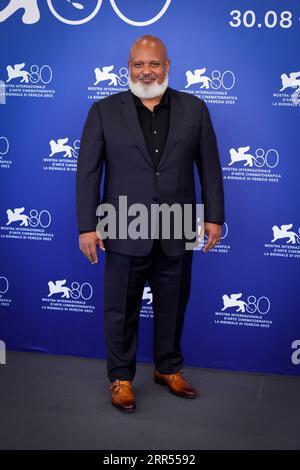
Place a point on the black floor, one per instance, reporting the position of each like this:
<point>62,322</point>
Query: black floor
<point>60,402</point>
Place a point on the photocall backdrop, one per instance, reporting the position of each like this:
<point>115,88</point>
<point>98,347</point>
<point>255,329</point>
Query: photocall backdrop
<point>242,58</point>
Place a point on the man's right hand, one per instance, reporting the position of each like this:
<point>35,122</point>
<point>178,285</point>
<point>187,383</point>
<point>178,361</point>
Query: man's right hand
<point>88,242</point>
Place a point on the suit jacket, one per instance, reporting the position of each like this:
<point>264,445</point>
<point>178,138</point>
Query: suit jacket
<point>112,136</point>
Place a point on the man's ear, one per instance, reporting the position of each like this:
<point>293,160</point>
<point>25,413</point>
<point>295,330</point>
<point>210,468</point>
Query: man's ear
<point>168,65</point>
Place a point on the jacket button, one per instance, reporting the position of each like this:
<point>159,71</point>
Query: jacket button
<point>157,173</point>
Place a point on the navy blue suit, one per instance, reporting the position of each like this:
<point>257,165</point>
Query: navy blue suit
<point>112,136</point>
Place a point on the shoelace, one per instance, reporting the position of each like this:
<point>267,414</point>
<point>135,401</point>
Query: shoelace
<point>116,385</point>
<point>174,376</point>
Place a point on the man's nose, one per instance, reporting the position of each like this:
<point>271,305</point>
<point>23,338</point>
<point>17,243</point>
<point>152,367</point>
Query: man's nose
<point>147,69</point>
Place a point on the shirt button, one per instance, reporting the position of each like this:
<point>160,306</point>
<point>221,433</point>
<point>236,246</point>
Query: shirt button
<point>156,150</point>
<point>154,132</point>
<point>157,173</point>
<point>153,114</point>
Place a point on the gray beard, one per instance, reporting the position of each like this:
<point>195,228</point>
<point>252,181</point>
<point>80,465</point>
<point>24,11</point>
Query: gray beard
<point>148,92</point>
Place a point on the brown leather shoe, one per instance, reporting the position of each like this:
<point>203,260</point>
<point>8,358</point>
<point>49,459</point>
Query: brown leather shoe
<point>122,395</point>
<point>177,384</point>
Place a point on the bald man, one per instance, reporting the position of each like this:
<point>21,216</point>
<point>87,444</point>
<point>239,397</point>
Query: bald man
<point>148,138</point>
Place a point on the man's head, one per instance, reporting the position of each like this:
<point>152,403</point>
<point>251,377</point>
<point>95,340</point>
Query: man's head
<point>149,66</point>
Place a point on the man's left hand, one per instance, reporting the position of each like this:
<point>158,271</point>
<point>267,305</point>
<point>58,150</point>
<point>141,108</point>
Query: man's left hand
<point>214,232</point>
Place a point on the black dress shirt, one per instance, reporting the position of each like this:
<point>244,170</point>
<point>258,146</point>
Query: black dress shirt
<point>155,125</point>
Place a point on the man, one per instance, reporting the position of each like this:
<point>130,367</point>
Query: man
<point>149,137</point>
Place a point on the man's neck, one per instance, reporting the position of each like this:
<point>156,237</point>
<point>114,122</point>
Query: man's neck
<point>150,103</point>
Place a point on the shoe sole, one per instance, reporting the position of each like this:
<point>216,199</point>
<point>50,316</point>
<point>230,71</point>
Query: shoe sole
<point>125,410</point>
<point>162,382</point>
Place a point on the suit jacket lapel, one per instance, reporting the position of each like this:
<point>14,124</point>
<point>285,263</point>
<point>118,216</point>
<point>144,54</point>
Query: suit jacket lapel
<point>130,115</point>
<point>176,120</point>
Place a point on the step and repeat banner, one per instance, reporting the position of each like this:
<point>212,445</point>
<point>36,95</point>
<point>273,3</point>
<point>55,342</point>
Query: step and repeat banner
<point>241,57</point>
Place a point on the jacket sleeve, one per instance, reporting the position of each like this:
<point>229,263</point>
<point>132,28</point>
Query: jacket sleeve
<point>210,172</point>
<point>89,171</point>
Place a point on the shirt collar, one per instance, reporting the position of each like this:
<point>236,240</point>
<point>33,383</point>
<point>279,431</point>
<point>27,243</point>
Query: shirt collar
<point>165,99</point>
